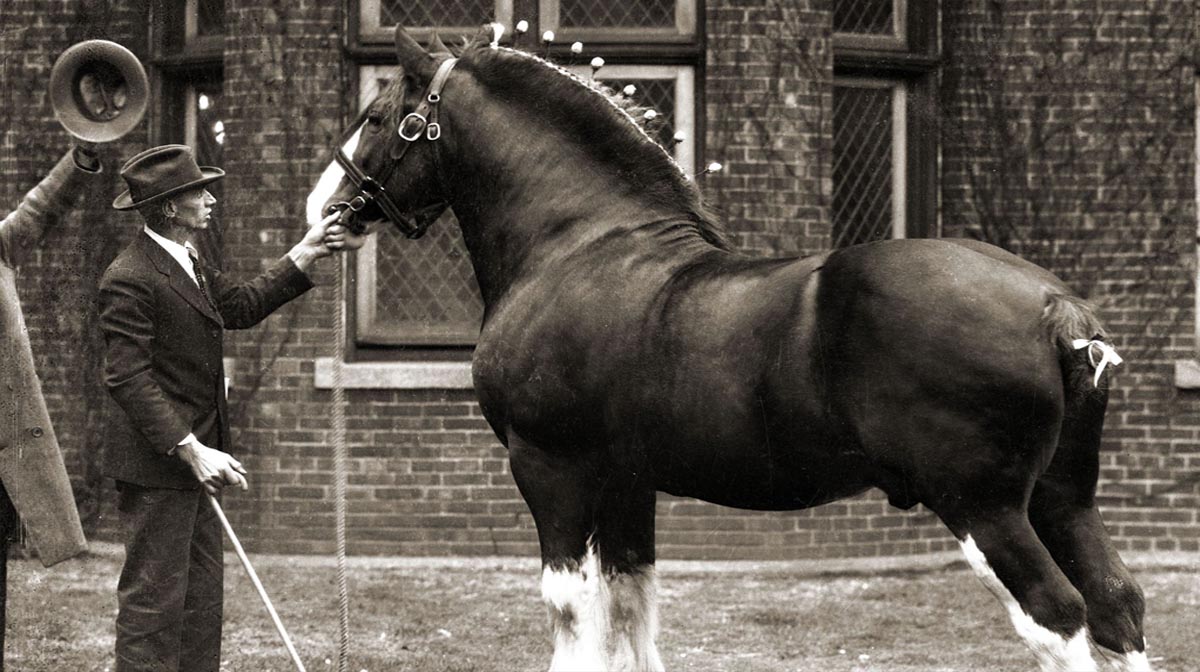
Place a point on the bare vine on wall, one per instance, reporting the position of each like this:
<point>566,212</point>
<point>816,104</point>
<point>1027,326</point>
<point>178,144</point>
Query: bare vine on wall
<point>1072,130</point>
<point>284,60</point>
<point>774,111</point>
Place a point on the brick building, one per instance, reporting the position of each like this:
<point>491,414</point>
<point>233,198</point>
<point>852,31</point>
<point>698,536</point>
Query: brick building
<point>1064,130</point>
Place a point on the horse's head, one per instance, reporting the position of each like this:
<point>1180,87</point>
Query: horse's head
<point>385,168</point>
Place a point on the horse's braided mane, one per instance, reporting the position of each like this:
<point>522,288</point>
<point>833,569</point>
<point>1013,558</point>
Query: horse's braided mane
<point>611,127</point>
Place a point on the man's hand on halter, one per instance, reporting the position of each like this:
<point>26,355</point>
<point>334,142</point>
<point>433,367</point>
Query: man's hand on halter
<point>339,238</point>
<point>312,246</point>
<point>213,468</point>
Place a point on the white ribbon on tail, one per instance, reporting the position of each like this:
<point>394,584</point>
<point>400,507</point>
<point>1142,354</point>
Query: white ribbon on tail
<point>1107,355</point>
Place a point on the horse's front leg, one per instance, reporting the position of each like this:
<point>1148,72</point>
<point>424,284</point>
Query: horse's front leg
<point>596,529</point>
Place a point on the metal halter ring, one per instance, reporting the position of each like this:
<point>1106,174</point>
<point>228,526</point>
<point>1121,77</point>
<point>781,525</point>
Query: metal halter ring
<point>420,126</point>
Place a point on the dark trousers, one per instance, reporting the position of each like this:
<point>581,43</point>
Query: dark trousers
<point>8,527</point>
<point>170,594</point>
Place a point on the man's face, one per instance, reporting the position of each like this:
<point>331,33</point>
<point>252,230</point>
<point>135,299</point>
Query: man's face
<point>193,209</point>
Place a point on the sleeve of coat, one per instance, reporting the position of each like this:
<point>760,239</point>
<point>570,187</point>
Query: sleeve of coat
<point>245,304</point>
<point>127,320</point>
<point>42,208</point>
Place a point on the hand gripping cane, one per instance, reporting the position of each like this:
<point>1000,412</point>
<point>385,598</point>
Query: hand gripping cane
<point>237,546</point>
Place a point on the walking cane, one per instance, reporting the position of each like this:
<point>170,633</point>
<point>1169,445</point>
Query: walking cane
<point>237,546</point>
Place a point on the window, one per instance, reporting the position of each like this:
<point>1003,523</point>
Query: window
<point>418,299</point>
<point>377,18</point>
<point>632,20</point>
<point>884,147</point>
<point>188,55</point>
<point>869,144</point>
<point>878,24</point>
<point>667,89</point>
<point>414,292</point>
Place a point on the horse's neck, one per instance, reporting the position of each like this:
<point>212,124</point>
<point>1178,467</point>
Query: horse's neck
<point>524,200</point>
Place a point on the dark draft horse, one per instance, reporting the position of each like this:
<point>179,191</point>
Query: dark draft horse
<point>625,350</point>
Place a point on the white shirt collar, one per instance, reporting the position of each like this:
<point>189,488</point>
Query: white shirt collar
<point>178,252</point>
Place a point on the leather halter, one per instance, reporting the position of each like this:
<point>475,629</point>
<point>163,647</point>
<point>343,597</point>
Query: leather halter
<point>421,122</point>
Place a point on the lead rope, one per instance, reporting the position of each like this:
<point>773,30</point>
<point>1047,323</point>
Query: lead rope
<point>339,468</point>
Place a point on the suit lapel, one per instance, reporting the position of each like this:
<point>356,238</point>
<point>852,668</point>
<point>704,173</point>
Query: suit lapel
<point>178,278</point>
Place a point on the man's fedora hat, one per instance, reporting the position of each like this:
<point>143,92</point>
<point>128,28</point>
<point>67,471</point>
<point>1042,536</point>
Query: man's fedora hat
<point>160,172</point>
<point>99,90</point>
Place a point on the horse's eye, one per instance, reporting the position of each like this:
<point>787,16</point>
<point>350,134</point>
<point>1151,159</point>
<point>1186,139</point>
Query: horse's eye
<point>374,118</point>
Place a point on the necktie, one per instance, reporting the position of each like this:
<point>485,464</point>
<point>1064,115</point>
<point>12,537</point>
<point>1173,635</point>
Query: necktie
<point>200,281</point>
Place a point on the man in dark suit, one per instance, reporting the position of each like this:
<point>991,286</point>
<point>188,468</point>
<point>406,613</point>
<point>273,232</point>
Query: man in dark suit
<point>163,312</point>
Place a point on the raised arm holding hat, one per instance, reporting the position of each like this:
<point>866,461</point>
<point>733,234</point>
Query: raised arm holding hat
<point>163,312</point>
<point>33,478</point>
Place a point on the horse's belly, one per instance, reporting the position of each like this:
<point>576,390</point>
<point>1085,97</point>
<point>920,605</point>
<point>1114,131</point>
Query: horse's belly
<point>765,475</point>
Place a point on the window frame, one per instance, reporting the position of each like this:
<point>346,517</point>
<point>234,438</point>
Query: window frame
<point>900,40</point>
<point>916,66</point>
<point>1187,370</point>
<point>684,114</point>
<point>192,41</point>
<point>685,30</point>
<point>365,28</point>
<point>180,63</point>
<point>368,334</point>
<point>900,140</point>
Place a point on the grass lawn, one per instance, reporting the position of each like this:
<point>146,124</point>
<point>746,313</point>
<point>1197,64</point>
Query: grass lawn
<point>447,615</point>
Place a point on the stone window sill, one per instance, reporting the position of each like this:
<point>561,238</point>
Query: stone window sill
<point>1187,374</point>
<point>395,375</point>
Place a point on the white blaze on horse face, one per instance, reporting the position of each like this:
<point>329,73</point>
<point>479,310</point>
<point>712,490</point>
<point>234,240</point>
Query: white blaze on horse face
<point>599,621</point>
<point>1054,652</point>
<point>328,184</point>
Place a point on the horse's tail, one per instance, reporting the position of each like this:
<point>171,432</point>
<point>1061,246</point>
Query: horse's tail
<point>1085,357</point>
<point>1076,333</point>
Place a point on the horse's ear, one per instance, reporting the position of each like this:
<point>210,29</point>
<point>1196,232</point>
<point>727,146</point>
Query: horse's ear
<point>413,58</point>
<point>436,46</point>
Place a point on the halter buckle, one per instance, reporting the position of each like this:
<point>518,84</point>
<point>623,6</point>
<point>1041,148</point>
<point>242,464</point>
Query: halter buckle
<point>433,131</point>
<point>418,124</point>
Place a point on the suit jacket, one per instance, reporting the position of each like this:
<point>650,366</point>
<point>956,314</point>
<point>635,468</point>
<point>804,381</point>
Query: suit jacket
<point>31,464</point>
<point>163,356</point>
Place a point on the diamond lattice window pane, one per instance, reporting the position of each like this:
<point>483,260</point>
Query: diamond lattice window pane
<point>210,17</point>
<point>425,289</point>
<point>625,14</point>
<point>435,13</point>
<point>655,94</point>
<point>862,164</point>
<point>864,17</point>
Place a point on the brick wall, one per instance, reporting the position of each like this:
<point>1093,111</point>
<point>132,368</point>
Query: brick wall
<point>769,102</point>
<point>427,477</point>
<point>1069,136</point>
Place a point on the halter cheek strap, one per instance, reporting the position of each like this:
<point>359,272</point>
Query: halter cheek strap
<point>424,118</point>
<point>420,122</point>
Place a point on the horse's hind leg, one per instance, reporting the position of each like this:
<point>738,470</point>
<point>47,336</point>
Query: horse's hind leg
<point>1063,512</point>
<point>1046,610</point>
<point>1079,543</point>
<point>596,531</point>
